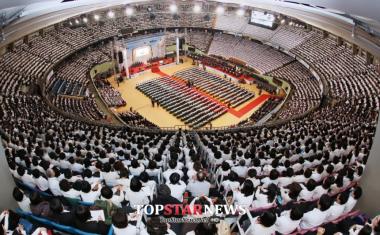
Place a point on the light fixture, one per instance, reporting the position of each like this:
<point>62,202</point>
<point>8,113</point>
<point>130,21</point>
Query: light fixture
<point>111,14</point>
<point>240,12</point>
<point>173,8</point>
<point>76,21</point>
<point>70,23</point>
<point>219,10</point>
<point>291,23</point>
<point>129,11</point>
<point>96,17</point>
<point>197,8</point>
<point>283,21</point>
<point>85,20</point>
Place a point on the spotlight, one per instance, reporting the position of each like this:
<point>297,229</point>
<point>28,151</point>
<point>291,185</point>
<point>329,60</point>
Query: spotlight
<point>219,10</point>
<point>291,23</point>
<point>111,14</point>
<point>70,23</point>
<point>173,8</point>
<point>76,21</point>
<point>240,12</point>
<point>197,8</point>
<point>129,11</point>
<point>96,17</point>
<point>85,20</point>
<point>283,21</point>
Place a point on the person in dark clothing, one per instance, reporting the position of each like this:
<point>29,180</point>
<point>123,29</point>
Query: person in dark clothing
<point>58,215</point>
<point>83,221</point>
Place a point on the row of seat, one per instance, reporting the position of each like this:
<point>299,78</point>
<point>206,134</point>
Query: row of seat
<point>185,103</point>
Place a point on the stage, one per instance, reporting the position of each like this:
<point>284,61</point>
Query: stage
<point>162,118</point>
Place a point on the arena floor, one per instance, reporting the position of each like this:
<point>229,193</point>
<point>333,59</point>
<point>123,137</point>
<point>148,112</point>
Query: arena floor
<point>162,118</point>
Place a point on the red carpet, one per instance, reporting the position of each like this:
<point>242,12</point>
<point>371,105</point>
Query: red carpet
<point>237,113</point>
<point>250,106</point>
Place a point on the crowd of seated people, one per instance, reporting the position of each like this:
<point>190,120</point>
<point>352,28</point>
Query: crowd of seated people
<point>306,89</point>
<point>199,39</point>
<point>187,104</point>
<point>135,119</point>
<point>216,63</point>
<point>110,95</point>
<point>351,79</point>
<point>268,106</point>
<point>261,57</point>
<point>83,107</point>
<point>222,89</point>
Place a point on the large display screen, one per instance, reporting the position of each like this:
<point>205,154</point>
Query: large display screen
<point>142,51</point>
<point>262,18</point>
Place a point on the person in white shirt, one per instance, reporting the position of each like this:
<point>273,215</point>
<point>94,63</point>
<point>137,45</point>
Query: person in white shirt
<point>353,198</point>
<point>53,182</point>
<point>172,169</point>
<point>337,208</point>
<point>22,200</point>
<point>135,194</point>
<point>324,188</point>
<point>199,187</point>
<point>90,194</point>
<point>136,168</point>
<point>289,220</point>
<point>244,197</point>
<point>177,186</point>
<point>263,224</point>
<point>265,197</point>
<point>252,177</point>
<point>41,183</point>
<point>318,215</point>
<point>272,179</point>
<point>110,177</point>
<point>121,226</point>
<point>67,190</point>
<point>231,183</point>
<point>25,177</point>
<point>115,195</point>
<point>307,192</point>
<point>241,169</point>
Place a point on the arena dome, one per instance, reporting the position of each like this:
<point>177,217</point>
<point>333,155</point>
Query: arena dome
<point>267,106</point>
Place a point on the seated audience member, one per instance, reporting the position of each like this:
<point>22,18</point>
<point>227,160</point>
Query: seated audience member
<point>231,182</point>
<point>38,206</point>
<point>67,190</point>
<point>318,215</point>
<point>177,186</point>
<point>352,199</point>
<point>265,197</point>
<point>41,183</point>
<point>263,224</point>
<point>22,200</point>
<point>200,186</point>
<point>245,196</point>
<point>155,227</point>
<point>59,214</point>
<point>204,228</point>
<point>337,207</point>
<point>135,194</point>
<point>173,165</point>
<point>88,194</point>
<point>85,222</point>
<point>121,226</point>
<point>107,203</point>
<point>53,182</point>
<point>241,169</point>
<point>289,220</point>
<point>9,221</point>
<point>164,197</point>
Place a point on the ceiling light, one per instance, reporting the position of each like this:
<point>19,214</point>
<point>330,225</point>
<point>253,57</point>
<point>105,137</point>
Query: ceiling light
<point>111,14</point>
<point>85,20</point>
<point>173,8</point>
<point>96,17</point>
<point>197,8</point>
<point>240,12</point>
<point>219,10</point>
<point>129,11</point>
<point>283,21</point>
<point>76,21</point>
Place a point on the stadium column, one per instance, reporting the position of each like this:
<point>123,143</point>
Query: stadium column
<point>369,202</point>
<point>7,183</point>
<point>125,61</point>
<point>177,48</point>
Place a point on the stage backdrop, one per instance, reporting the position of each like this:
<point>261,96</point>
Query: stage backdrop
<point>142,48</point>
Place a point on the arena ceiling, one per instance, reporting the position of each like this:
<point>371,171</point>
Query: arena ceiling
<point>35,14</point>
